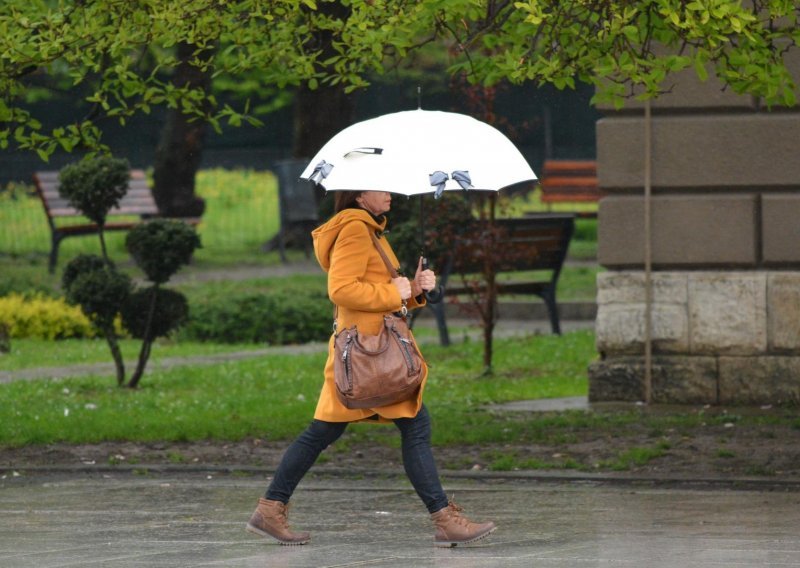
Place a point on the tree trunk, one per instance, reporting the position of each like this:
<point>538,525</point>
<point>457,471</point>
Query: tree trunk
<point>318,115</point>
<point>490,275</point>
<point>113,344</point>
<point>180,148</point>
<point>147,340</point>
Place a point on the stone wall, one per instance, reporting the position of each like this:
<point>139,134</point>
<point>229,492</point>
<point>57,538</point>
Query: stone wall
<point>718,337</point>
<point>725,214</point>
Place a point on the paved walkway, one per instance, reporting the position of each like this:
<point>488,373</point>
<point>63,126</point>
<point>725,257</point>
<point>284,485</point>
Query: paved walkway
<point>123,520</point>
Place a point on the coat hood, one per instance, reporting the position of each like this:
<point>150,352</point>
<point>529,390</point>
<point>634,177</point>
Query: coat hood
<point>326,234</point>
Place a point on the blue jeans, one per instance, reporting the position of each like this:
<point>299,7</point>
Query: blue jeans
<point>417,458</point>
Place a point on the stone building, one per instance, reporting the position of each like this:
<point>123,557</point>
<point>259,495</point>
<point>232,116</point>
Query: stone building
<point>725,254</point>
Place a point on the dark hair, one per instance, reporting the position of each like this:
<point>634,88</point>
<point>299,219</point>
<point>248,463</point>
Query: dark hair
<point>345,199</point>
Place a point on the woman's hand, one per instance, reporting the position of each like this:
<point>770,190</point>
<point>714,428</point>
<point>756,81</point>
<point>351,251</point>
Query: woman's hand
<point>424,280</point>
<point>403,286</point>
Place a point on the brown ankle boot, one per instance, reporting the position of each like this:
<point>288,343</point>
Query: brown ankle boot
<point>452,529</point>
<point>270,519</point>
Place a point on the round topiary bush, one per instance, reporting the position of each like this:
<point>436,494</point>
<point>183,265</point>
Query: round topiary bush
<point>95,185</point>
<point>79,265</point>
<point>171,310</point>
<point>100,293</point>
<point>161,247</point>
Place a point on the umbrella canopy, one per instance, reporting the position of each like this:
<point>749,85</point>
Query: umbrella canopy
<point>418,151</point>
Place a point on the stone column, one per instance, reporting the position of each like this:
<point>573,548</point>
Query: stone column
<point>726,249</point>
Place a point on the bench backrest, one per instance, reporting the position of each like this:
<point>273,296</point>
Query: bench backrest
<point>138,201</point>
<point>536,242</point>
<point>296,196</point>
<point>570,180</point>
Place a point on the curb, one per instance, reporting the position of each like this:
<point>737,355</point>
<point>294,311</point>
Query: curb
<point>554,477</point>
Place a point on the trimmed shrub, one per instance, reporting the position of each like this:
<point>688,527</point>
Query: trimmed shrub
<point>40,317</point>
<point>161,247</point>
<point>79,265</point>
<point>100,291</point>
<point>276,319</point>
<point>171,311</point>
<point>95,185</point>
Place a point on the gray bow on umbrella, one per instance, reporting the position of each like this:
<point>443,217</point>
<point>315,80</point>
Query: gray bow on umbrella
<point>321,171</point>
<point>439,179</point>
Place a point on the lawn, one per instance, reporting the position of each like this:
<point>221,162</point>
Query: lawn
<point>273,396</point>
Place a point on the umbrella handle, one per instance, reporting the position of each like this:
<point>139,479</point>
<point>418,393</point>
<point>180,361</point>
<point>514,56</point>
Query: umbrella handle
<point>435,296</point>
<point>432,296</point>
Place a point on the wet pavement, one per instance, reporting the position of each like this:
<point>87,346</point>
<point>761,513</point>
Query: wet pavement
<point>155,520</point>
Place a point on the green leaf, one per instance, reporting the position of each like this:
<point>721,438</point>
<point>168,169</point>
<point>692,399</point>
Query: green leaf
<point>700,69</point>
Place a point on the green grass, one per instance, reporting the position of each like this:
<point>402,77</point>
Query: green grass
<point>531,202</point>
<point>636,457</point>
<point>241,214</point>
<point>31,353</point>
<point>273,397</point>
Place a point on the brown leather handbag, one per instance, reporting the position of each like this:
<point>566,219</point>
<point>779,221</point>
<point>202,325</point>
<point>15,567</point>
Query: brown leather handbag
<point>371,371</point>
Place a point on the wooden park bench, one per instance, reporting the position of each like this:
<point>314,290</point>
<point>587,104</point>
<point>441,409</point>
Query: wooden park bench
<point>536,243</point>
<point>137,202</point>
<point>570,181</point>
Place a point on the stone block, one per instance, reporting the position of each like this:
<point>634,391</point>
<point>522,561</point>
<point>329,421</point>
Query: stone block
<point>713,152</point>
<point>783,311</point>
<point>628,287</point>
<point>676,380</point>
<point>619,329</point>
<point>687,230</point>
<point>780,228</point>
<point>728,313</point>
<point>759,380</point>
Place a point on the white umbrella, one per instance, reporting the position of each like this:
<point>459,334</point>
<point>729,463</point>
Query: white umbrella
<point>418,151</point>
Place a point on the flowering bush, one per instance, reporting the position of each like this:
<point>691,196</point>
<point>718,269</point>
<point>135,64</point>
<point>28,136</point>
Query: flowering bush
<point>40,317</point>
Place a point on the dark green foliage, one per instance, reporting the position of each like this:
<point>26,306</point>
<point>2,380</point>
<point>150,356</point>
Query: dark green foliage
<point>172,310</point>
<point>161,247</point>
<point>80,264</point>
<point>27,287</point>
<point>445,219</point>
<point>258,318</point>
<point>5,339</point>
<point>95,185</point>
<point>100,292</point>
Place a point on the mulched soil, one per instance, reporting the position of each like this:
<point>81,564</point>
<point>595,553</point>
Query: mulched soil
<point>770,452</point>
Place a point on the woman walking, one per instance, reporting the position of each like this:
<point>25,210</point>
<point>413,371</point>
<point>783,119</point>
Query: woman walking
<point>361,287</point>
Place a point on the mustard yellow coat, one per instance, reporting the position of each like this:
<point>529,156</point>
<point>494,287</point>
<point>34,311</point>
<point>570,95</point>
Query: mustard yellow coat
<point>361,286</point>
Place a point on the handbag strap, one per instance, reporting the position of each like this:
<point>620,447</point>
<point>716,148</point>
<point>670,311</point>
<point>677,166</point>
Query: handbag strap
<point>392,271</point>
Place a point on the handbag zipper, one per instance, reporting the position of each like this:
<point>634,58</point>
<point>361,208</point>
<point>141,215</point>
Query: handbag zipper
<point>404,348</point>
<point>348,368</point>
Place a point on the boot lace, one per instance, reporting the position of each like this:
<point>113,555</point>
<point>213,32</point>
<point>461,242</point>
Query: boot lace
<point>283,514</point>
<point>455,514</point>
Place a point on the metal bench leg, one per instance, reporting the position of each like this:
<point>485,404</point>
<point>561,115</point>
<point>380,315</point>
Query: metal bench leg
<point>549,297</point>
<point>282,245</point>
<point>441,323</point>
